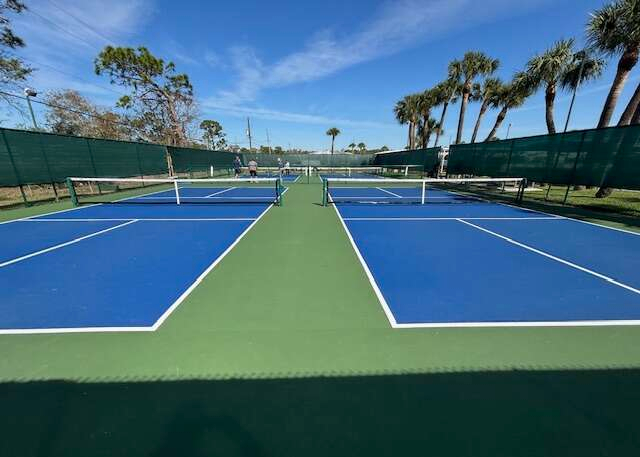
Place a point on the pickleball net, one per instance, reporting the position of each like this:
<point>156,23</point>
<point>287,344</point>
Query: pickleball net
<point>176,191</point>
<point>422,191</point>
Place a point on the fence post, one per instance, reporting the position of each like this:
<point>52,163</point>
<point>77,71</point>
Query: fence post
<point>93,165</point>
<point>573,171</point>
<point>46,163</point>
<point>15,170</point>
<point>555,165</point>
<point>139,163</point>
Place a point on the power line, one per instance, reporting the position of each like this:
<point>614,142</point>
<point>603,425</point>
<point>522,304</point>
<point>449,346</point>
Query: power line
<point>28,59</point>
<point>62,28</point>
<point>88,26</point>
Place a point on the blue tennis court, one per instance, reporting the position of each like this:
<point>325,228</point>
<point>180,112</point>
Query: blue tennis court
<point>121,266</point>
<point>463,261</point>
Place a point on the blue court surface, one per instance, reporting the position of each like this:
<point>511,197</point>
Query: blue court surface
<point>467,262</point>
<point>122,266</point>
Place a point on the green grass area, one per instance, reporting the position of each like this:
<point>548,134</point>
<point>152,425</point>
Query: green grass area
<point>284,350</point>
<point>620,202</point>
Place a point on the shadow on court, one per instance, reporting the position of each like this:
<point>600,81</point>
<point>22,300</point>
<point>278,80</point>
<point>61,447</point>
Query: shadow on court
<point>564,413</point>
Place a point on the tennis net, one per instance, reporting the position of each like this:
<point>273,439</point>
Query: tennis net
<point>421,191</point>
<point>346,172</point>
<point>175,191</point>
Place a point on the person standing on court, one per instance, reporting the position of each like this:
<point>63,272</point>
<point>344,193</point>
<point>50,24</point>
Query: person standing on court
<point>253,168</point>
<point>279,166</point>
<point>237,166</point>
<point>287,168</point>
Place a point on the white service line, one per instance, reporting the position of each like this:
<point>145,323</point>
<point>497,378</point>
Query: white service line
<point>58,246</point>
<point>219,192</point>
<point>552,257</point>
<point>389,192</point>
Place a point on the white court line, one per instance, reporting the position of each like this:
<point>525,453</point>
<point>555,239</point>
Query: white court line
<point>542,218</point>
<point>552,257</point>
<point>389,192</point>
<point>522,208</point>
<point>183,197</point>
<point>154,219</point>
<point>199,279</point>
<point>385,307</point>
<point>598,323</point>
<point>219,192</point>
<point>58,246</point>
<point>161,319</point>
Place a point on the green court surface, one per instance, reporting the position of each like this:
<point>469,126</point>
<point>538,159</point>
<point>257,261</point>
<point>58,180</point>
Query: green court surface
<point>284,350</point>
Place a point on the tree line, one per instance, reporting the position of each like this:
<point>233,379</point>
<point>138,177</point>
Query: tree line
<point>612,31</point>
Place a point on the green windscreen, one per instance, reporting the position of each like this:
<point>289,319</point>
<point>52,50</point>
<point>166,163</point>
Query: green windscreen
<point>311,160</point>
<point>42,158</point>
<point>609,157</point>
<point>191,160</point>
<point>428,159</point>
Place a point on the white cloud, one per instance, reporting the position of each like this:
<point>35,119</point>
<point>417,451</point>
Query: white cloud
<point>64,36</point>
<point>300,118</point>
<point>396,26</point>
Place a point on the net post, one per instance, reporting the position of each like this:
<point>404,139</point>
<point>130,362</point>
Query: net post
<point>325,191</point>
<point>279,192</point>
<point>72,192</point>
<point>520,195</point>
<point>176,188</point>
<point>424,192</point>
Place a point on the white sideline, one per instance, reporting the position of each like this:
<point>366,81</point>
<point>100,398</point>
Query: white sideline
<point>552,257</point>
<point>383,302</point>
<point>58,246</point>
<point>160,320</point>
<point>199,279</point>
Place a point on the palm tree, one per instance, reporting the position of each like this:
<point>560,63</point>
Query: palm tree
<point>362,147</point>
<point>613,29</point>
<point>352,147</point>
<point>583,67</point>
<point>489,89</point>
<point>636,117</point>
<point>511,96</point>
<point>333,132</point>
<point>413,111</point>
<point>401,112</point>
<point>631,109</point>
<point>547,69</point>
<point>472,65</point>
<point>426,101</point>
<point>445,93</point>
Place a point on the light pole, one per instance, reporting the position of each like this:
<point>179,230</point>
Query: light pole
<point>508,130</point>
<point>28,92</point>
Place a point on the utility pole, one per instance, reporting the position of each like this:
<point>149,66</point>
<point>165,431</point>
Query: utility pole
<point>28,92</point>
<point>249,133</point>
<point>269,142</point>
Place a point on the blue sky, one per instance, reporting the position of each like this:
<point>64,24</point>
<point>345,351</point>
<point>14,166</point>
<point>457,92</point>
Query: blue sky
<point>297,68</point>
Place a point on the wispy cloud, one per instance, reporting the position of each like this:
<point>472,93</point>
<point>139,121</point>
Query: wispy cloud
<point>63,38</point>
<point>274,115</point>
<point>395,26</point>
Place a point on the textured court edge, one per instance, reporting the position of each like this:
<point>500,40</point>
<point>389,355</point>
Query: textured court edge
<point>395,324</point>
<point>164,315</point>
